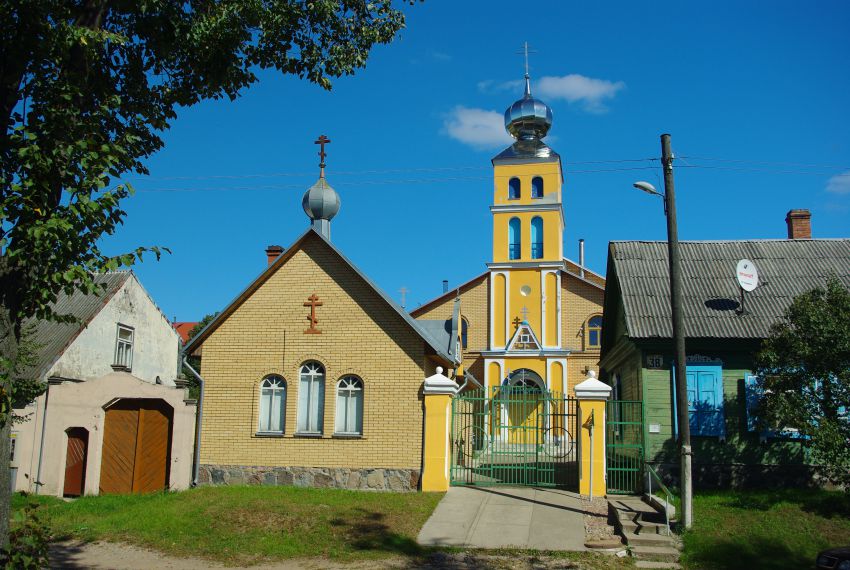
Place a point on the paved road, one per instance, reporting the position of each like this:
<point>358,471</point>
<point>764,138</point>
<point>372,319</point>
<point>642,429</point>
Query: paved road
<point>502,517</point>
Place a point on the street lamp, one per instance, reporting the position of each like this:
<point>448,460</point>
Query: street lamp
<point>676,307</point>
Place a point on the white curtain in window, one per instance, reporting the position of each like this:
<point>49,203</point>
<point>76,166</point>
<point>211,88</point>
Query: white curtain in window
<point>272,404</point>
<point>311,398</point>
<point>349,406</point>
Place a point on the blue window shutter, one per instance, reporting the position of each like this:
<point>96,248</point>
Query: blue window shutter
<point>697,425</point>
<point>705,401</point>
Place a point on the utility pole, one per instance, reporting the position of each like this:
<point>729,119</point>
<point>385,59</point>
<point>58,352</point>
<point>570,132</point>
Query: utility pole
<point>678,333</point>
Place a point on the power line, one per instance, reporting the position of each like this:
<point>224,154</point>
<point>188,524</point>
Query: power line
<point>765,162</point>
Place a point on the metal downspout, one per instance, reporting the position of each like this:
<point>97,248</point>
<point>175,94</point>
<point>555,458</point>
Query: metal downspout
<point>200,416</point>
<point>38,483</point>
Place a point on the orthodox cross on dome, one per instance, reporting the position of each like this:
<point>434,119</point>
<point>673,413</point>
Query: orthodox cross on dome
<point>322,141</point>
<point>404,291</point>
<point>313,302</point>
<point>524,312</point>
<point>525,51</point>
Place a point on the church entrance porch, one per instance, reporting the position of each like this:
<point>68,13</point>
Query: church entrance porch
<point>517,434</point>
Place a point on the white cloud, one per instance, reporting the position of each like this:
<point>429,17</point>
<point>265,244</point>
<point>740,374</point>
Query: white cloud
<point>478,128</point>
<point>839,184</point>
<point>574,88</point>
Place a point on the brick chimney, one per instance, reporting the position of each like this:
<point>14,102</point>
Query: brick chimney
<point>273,251</point>
<point>799,224</point>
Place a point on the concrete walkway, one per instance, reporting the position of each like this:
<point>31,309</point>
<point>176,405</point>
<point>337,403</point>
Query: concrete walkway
<point>506,517</point>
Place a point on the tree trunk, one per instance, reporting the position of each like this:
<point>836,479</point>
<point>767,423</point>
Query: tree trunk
<point>9,340</point>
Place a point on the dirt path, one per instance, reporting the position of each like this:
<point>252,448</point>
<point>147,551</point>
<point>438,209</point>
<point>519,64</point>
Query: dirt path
<point>103,555</point>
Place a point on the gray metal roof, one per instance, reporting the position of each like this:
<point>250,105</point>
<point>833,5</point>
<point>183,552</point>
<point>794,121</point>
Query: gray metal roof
<point>786,268</point>
<point>52,338</point>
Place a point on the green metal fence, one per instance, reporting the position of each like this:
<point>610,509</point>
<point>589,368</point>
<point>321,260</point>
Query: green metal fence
<point>514,436</point>
<point>624,448</point>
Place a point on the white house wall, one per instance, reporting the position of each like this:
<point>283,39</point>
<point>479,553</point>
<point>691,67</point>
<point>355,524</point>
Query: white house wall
<point>155,342</point>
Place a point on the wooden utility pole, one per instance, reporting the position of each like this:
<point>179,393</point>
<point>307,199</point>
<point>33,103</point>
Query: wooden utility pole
<point>677,308</point>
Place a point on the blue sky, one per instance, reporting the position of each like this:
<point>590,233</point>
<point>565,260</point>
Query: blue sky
<point>755,96</point>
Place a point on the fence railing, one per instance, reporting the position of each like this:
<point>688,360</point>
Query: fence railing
<point>652,479</point>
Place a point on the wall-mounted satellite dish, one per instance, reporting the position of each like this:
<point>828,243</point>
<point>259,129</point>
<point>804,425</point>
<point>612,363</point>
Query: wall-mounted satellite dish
<point>747,275</point>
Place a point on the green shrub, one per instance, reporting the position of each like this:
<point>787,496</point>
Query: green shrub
<point>29,541</point>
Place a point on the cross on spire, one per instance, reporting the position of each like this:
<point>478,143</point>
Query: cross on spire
<point>404,291</point>
<point>525,51</point>
<point>322,141</point>
<point>524,312</point>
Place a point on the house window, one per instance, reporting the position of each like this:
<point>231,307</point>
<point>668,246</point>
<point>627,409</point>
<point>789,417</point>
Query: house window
<point>464,332</point>
<point>513,189</point>
<point>594,332</point>
<point>514,239</point>
<point>311,398</point>
<point>537,237</point>
<point>536,187</point>
<point>272,404</point>
<point>124,347</point>
<point>349,406</point>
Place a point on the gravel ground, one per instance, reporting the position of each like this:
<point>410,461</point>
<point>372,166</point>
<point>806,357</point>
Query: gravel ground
<point>102,555</point>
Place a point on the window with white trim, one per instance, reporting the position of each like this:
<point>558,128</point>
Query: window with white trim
<point>349,406</point>
<point>272,404</point>
<point>124,347</point>
<point>311,398</point>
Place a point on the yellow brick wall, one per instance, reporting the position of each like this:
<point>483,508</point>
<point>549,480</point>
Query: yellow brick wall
<point>360,335</point>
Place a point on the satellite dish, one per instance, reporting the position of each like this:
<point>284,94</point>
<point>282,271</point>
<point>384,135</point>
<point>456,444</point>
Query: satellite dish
<point>747,275</point>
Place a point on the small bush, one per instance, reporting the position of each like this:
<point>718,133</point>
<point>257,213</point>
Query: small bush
<point>29,541</point>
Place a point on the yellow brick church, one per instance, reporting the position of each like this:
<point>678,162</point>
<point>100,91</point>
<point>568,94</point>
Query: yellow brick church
<point>314,377</point>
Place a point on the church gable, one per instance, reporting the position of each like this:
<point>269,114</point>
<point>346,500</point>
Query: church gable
<point>474,310</point>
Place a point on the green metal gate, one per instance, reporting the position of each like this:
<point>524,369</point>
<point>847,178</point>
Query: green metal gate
<point>624,450</point>
<point>514,436</point>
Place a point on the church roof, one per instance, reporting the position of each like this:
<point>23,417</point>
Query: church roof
<point>440,349</point>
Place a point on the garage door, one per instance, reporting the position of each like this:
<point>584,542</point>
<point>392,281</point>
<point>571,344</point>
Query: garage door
<point>136,446</point>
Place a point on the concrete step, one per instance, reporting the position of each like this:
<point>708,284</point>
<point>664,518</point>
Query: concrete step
<point>656,564</point>
<point>656,553</point>
<point>634,539</point>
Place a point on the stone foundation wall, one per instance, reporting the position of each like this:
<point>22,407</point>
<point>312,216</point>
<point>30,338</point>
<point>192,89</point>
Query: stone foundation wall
<point>321,477</point>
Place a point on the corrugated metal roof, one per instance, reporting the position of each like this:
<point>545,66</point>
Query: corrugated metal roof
<point>711,293</point>
<point>52,338</point>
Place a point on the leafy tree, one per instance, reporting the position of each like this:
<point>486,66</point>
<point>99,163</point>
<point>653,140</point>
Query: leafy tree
<point>86,89</point>
<point>805,371</point>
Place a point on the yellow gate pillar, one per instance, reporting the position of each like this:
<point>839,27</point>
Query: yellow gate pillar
<point>592,395</point>
<point>438,391</point>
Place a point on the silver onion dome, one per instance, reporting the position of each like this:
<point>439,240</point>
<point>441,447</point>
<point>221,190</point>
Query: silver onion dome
<point>320,202</point>
<point>528,118</point>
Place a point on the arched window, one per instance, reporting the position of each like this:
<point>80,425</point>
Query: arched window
<point>513,189</point>
<point>272,404</point>
<point>594,332</point>
<point>311,397</point>
<point>464,332</point>
<point>537,237</point>
<point>514,239</point>
<point>349,406</point>
<point>537,187</point>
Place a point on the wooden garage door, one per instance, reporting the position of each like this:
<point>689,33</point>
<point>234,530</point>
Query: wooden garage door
<point>136,447</point>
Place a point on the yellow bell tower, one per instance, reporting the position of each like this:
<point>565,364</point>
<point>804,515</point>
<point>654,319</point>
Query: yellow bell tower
<point>525,336</point>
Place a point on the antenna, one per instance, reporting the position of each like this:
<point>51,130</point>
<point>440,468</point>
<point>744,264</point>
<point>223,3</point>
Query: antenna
<point>748,279</point>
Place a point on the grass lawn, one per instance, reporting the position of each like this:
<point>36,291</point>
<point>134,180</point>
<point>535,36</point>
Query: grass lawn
<point>248,524</point>
<point>245,525</point>
<point>765,529</point>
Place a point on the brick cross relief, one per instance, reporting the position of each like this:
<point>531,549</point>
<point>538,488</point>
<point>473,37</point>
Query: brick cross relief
<point>313,302</point>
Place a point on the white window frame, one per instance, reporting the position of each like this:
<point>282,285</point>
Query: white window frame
<point>270,387</point>
<point>124,357</point>
<point>311,398</point>
<point>349,392</point>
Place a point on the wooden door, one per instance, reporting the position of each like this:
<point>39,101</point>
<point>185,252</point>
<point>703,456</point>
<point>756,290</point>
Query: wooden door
<point>75,462</point>
<point>153,448</point>
<point>136,447</point>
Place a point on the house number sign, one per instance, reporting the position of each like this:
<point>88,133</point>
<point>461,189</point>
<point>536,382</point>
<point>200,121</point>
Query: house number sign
<point>654,361</point>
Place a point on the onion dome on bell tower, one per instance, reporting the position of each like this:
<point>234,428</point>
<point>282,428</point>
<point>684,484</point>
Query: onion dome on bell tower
<point>321,202</point>
<point>528,119</point>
